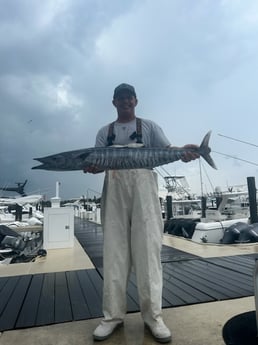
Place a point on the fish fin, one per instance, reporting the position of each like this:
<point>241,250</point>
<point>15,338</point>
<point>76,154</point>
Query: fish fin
<point>205,150</point>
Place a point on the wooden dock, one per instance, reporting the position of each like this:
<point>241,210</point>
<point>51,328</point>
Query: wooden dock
<point>49,298</point>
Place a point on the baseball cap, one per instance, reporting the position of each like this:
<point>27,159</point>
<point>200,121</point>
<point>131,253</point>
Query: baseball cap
<point>122,88</point>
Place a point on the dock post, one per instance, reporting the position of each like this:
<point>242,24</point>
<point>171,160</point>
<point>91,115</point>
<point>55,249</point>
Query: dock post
<point>204,206</point>
<point>252,199</point>
<point>18,213</point>
<point>169,207</point>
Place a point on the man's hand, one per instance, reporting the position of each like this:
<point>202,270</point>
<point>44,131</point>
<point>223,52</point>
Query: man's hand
<point>92,169</point>
<point>190,155</point>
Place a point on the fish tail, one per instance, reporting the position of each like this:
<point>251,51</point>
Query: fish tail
<point>205,150</point>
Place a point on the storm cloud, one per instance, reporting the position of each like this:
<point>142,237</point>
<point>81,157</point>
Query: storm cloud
<point>194,66</point>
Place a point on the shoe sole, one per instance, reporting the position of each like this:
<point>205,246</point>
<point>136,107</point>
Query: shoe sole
<point>159,340</point>
<point>97,338</point>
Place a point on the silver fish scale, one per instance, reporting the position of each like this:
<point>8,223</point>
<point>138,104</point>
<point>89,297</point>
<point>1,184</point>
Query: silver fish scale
<point>130,158</point>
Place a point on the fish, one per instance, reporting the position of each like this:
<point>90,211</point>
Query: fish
<point>125,157</point>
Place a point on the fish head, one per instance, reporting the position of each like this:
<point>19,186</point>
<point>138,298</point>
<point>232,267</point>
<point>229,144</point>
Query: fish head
<point>64,161</point>
<point>53,162</point>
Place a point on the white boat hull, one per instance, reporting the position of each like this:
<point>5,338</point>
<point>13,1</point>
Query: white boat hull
<point>212,232</point>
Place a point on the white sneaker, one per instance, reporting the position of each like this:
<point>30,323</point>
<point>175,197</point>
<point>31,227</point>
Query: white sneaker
<point>160,331</point>
<point>105,329</point>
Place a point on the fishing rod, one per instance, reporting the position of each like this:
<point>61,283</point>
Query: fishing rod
<point>239,159</point>
<point>241,141</point>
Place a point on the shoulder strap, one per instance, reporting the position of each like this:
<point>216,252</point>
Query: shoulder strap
<point>139,130</point>
<point>138,134</point>
<point>111,135</point>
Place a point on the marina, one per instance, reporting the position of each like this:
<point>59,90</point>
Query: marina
<point>59,296</point>
<point>58,293</point>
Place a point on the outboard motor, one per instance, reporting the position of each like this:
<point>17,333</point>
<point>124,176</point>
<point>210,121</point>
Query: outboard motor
<point>11,239</point>
<point>232,233</point>
<point>180,227</point>
<point>5,231</point>
<point>20,246</point>
<point>249,235</point>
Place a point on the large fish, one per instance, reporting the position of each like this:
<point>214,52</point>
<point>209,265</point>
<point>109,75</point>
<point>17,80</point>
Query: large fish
<point>125,157</point>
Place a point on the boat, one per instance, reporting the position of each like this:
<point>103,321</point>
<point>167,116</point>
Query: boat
<point>19,188</point>
<point>226,209</point>
<point>223,210</point>
<point>184,204</point>
<point>5,215</point>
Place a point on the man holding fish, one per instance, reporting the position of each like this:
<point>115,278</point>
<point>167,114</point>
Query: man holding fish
<point>132,221</point>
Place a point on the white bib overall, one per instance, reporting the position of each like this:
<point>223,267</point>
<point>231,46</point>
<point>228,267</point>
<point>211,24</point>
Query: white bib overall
<point>133,228</point>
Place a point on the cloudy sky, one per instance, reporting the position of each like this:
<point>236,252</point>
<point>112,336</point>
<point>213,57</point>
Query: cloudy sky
<point>194,65</point>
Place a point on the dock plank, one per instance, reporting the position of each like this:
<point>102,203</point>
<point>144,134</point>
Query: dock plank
<point>3,281</point>
<point>238,263</point>
<point>180,288</point>
<point>46,310</point>
<point>91,295</point>
<point>29,310</point>
<point>79,306</point>
<point>6,292</point>
<point>63,311</point>
<point>199,281</point>
<point>13,306</point>
<point>239,282</point>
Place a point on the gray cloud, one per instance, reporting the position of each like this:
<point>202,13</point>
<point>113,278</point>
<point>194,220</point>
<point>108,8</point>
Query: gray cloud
<point>194,65</point>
